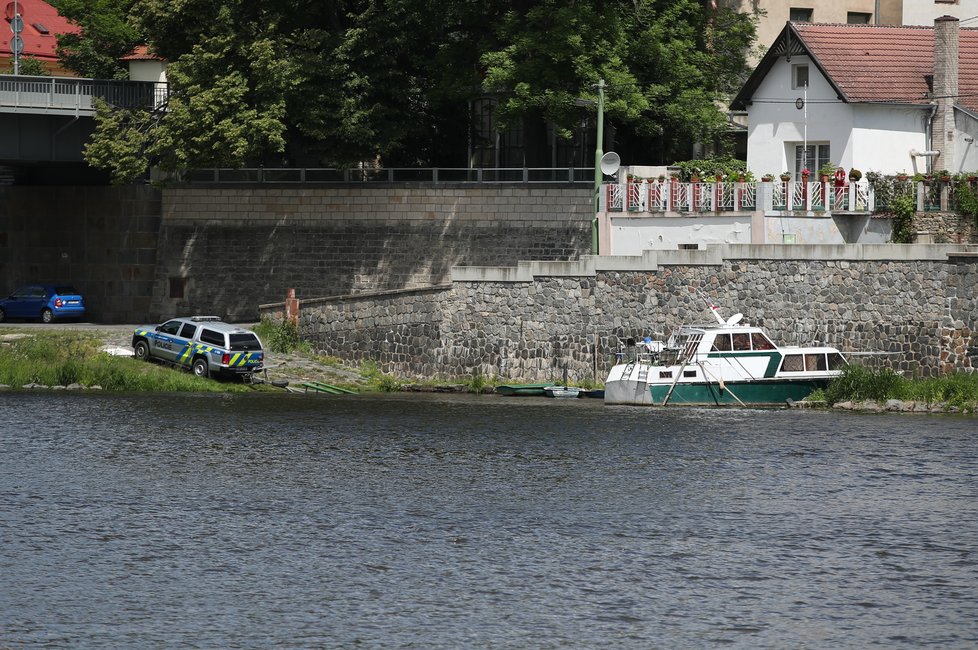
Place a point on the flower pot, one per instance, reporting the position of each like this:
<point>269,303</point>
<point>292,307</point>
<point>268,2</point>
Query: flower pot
<point>785,178</point>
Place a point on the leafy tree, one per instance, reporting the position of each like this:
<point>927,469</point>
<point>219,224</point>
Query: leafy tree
<point>108,34</point>
<point>310,82</point>
<point>29,66</point>
<point>668,64</point>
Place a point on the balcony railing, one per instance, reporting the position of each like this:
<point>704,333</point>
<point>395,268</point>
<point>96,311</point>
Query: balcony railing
<point>73,96</point>
<point>674,196</point>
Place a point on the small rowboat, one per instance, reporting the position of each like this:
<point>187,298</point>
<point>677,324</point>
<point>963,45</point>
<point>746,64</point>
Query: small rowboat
<point>561,391</point>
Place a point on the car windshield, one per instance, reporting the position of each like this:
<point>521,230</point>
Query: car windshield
<point>244,342</point>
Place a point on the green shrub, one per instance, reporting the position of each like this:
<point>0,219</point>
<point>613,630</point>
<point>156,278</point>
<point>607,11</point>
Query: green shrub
<point>282,337</point>
<point>967,201</point>
<point>903,207</point>
<point>708,168</point>
<point>857,383</point>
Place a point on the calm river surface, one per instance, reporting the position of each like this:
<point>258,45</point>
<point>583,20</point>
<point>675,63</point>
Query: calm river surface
<point>426,521</point>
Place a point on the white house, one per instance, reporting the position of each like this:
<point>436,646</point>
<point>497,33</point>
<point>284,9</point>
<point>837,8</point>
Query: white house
<point>876,97</point>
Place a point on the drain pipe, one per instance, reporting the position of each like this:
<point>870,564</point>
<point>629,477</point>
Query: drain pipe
<point>930,153</point>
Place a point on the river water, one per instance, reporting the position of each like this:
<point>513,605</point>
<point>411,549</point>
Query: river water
<point>432,521</point>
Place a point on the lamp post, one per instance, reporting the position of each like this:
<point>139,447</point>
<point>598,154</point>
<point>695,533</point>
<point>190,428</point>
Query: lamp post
<point>598,176</point>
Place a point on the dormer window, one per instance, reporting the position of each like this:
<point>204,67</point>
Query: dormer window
<point>799,76</point>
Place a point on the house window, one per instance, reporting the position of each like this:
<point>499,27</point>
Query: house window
<point>799,76</point>
<point>800,15</point>
<point>858,18</point>
<point>811,158</point>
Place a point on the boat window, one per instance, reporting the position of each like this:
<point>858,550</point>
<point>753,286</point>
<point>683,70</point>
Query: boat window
<point>665,374</point>
<point>761,342</point>
<point>741,341</point>
<point>689,373</point>
<point>836,361</point>
<point>793,363</point>
<point>722,343</point>
<point>815,362</point>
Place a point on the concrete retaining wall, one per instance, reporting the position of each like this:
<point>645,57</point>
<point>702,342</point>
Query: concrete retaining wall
<point>239,247</point>
<point>914,306</point>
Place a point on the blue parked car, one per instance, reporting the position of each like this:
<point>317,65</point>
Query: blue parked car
<point>46,302</point>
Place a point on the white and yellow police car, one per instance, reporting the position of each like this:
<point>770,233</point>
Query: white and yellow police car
<point>204,344</point>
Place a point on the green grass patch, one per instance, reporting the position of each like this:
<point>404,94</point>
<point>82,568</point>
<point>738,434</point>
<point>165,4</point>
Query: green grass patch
<point>379,380</point>
<point>857,384</point>
<point>64,358</point>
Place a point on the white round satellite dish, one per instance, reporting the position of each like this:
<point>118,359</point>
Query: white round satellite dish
<point>610,163</point>
<point>736,318</point>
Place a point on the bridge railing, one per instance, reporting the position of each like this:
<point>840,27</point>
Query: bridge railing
<point>70,95</point>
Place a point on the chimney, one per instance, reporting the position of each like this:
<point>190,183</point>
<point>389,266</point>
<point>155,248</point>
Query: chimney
<point>945,90</point>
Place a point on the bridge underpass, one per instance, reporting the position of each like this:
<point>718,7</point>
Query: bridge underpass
<point>45,123</point>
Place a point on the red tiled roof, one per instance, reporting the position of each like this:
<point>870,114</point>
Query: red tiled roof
<point>141,53</point>
<point>37,15</point>
<point>878,63</point>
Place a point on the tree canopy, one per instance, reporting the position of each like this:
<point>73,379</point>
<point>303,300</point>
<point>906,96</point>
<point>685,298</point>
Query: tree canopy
<point>313,83</point>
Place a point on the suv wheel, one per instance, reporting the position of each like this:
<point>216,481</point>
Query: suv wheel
<point>141,351</point>
<point>200,368</point>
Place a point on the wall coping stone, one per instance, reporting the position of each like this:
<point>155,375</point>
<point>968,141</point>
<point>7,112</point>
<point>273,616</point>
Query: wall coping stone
<point>358,296</point>
<point>713,255</point>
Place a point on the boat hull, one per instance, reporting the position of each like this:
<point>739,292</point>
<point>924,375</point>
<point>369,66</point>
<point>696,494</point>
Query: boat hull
<point>768,392</point>
<point>522,390</point>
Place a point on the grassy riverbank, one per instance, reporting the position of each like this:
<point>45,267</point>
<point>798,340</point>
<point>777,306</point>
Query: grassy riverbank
<point>70,358</point>
<point>858,384</point>
<point>65,358</point>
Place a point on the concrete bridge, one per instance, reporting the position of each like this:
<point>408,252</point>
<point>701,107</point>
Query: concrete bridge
<point>49,119</point>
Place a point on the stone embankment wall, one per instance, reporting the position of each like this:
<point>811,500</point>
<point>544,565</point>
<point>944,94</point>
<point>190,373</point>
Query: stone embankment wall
<point>238,247</point>
<point>102,240</point>
<point>913,307</point>
<point>946,227</point>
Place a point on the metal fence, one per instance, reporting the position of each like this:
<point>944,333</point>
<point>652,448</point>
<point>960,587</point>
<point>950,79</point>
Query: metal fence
<point>432,175</point>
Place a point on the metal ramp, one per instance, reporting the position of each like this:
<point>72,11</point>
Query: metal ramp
<point>320,387</point>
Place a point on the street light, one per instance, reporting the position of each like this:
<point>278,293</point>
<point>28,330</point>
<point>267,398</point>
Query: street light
<point>598,153</point>
<point>599,144</point>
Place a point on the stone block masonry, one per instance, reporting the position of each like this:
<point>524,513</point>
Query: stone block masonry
<point>235,248</point>
<point>914,308</point>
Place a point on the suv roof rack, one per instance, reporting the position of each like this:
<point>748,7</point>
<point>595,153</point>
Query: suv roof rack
<point>205,319</point>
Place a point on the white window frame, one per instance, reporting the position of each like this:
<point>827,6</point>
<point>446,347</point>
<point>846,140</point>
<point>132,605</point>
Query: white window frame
<point>819,153</point>
<point>796,69</point>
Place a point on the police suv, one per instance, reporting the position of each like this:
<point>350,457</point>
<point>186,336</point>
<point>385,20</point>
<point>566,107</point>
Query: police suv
<point>204,344</point>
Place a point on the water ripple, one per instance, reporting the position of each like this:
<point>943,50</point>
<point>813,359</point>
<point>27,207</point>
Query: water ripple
<point>458,521</point>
